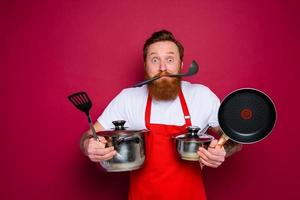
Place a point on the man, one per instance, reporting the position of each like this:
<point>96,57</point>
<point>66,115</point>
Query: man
<point>165,107</point>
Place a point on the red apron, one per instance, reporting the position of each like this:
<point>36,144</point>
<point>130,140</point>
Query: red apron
<point>164,175</point>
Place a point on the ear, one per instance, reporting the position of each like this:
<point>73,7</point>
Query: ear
<point>181,66</point>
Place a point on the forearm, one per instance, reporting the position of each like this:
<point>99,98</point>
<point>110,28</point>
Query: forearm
<point>232,147</point>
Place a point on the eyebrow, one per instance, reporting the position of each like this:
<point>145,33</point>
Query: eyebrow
<point>170,52</point>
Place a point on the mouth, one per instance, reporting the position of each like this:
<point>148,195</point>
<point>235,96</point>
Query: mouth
<point>163,76</point>
<point>162,79</point>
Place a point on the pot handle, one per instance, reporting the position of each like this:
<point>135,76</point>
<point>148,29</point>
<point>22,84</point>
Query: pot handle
<point>134,138</point>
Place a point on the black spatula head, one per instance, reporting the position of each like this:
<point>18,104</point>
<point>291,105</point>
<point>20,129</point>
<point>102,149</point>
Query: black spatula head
<point>81,101</point>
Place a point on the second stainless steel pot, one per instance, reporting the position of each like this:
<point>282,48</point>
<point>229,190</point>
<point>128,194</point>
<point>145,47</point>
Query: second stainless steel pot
<point>130,147</point>
<point>188,144</point>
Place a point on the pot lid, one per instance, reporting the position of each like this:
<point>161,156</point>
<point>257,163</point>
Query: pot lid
<point>120,130</point>
<point>194,136</point>
<point>200,138</point>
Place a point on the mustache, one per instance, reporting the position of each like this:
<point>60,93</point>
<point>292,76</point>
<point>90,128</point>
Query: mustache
<point>163,73</point>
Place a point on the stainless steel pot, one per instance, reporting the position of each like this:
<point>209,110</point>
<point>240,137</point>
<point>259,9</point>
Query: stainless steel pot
<point>130,147</point>
<point>188,144</point>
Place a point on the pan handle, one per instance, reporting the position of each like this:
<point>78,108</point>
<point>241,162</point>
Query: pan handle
<point>223,139</point>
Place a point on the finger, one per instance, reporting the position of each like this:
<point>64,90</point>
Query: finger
<point>204,160</point>
<point>99,139</point>
<point>104,151</point>
<point>99,157</point>
<point>213,165</point>
<point>214,151</point>
<point>211,156</point>
<point>99,151</point>
<point>96,145</point>
<point>204,157</point>
<point>108,156</point>
<point>102,139</point>
<point>217,151</point>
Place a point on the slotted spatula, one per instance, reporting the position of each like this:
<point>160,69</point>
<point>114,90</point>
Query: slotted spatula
<point>82,101</point>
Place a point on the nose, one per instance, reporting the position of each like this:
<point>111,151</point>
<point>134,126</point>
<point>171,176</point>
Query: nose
<point>162,66</point>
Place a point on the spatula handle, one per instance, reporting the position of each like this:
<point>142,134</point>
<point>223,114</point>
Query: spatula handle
<point>92,127</point>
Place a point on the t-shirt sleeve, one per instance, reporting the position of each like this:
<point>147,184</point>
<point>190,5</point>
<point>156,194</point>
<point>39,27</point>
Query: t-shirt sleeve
<point>114,111</point>
<point>213,118</point>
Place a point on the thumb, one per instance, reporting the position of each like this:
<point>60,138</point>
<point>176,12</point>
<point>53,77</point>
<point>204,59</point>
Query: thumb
<point>213,143</point>
<point>102,139</point>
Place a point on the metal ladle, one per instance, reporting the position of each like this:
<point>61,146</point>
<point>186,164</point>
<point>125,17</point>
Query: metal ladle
<point>193,69</point>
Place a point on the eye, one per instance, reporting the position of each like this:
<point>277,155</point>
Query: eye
<point>170,60</point>
<point>154,60</point>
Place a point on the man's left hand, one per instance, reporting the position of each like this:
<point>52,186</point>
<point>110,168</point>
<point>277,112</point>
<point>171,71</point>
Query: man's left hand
<point>214,156</point>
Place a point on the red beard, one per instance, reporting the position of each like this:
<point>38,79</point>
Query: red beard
<point>165,88</point>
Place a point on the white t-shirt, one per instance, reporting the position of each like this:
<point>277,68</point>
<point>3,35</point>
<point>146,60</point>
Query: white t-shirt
<point>130,105</point>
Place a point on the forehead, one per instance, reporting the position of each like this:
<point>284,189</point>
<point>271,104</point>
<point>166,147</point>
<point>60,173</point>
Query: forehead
<point>163,47</point>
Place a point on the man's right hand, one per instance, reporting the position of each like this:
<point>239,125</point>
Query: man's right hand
<point>96,150</point>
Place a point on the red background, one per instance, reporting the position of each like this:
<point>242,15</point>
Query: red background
<point>50,49</point>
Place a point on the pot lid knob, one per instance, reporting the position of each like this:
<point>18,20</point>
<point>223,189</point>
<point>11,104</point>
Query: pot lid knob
<point>193,130</point>
<point>119,124</point>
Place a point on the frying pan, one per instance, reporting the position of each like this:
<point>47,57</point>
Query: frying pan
<point>246,116</point>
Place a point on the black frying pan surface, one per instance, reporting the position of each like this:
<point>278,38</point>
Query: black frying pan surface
<point>247,115</point>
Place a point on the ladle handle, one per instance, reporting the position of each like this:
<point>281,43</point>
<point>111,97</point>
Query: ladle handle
<point>146,81</point>
<point>223,139</point>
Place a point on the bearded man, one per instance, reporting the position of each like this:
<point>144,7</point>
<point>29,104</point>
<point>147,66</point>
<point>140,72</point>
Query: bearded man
<point>166,107</point>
